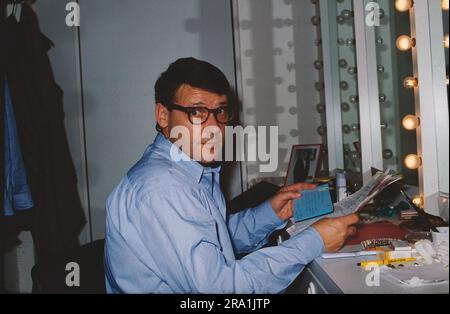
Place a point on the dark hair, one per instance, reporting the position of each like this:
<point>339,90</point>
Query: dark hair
<point>193,72</point>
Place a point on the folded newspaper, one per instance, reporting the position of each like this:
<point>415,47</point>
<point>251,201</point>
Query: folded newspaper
<point>353,203</point>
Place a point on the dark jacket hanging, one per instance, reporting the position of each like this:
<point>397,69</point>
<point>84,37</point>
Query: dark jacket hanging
<point>57,216</point>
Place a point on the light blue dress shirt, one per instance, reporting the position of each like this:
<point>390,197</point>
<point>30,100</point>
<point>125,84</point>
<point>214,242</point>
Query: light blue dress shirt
<point>167,231</point>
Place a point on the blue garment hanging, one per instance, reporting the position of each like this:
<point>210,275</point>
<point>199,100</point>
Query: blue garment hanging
<point>17,195</point>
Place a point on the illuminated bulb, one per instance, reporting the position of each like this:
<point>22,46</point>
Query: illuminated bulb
<point>403,5</point>
<point>410,82</point>
<point>418,201</point>
<point>446,41</point>
<point>444,5</point>
<point>413,162</point>
<point>410,122</point>
<point>405,43</point>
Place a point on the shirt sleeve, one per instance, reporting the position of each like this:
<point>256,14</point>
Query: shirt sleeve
<point>181,238</point>
<point>250,229</point>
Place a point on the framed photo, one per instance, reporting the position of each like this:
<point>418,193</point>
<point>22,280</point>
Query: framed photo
<point>304,164</point>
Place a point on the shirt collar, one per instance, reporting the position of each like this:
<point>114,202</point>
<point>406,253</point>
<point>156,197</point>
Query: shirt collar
<point>196,170</point>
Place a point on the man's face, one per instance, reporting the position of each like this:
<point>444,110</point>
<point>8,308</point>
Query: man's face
<point>206,138</point>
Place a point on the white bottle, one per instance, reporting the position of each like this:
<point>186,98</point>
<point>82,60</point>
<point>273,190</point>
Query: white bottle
<point>341,186</point>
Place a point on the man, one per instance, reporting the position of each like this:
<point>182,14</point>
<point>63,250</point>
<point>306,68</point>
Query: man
<point>167,230</point>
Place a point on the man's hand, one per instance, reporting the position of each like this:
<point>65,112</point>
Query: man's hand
<point>282,201</point>
<point>335,231</point>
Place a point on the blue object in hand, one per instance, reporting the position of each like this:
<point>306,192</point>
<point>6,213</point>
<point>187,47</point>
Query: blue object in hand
<point>313,203</point>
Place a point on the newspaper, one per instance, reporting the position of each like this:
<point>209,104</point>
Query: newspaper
<point>353,203</point>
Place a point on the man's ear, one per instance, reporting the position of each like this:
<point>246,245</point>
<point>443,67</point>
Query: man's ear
<point>162,115</point>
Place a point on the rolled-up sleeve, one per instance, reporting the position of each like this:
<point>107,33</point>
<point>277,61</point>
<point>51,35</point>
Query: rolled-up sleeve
<point>251,228</point>
<point>180,237</point>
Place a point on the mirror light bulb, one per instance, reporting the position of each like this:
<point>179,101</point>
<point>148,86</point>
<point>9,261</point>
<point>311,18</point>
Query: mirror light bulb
<point>410,122</point>
<point>403,5</point>
<point>418,201</point>
<point>405,43</point>
<point>410,82</point>
<point>444,5</point>
<point>446,41</point>
<point>413,162</point>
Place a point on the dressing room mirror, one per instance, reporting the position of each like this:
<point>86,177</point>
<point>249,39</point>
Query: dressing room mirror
<point>394,45</point>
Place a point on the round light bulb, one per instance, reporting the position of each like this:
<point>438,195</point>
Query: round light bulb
<point>315,20</point>
<point>405,43</point>
<point>446,41</point>
<point>318,64</point>
<point>354,99</point>
<point>352,70</point>
<point>346,129</point>
<point>413,162</point>
<point>418,201</point>
<point>410,122</point>
<point>322,130</point>
<point>444,5</point>
<point>410,82</point>
<point>403,5</point>
<point>388,154</point>
<point>345,107</point>
<point>346,14</point>
<point>321,108</point>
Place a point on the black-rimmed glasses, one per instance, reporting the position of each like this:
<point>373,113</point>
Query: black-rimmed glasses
<point>199,115</point>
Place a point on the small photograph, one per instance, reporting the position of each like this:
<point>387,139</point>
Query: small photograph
<point>304,164</point>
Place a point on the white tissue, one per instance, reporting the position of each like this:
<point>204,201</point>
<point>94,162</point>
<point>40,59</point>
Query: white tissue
<point>426,250</point>
<point>415,282</point>
<point>442,253</point>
